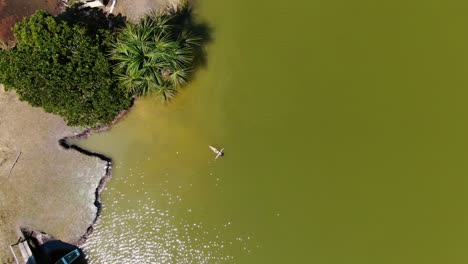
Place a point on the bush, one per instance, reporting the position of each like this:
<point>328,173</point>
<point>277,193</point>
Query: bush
<point>63,68</point>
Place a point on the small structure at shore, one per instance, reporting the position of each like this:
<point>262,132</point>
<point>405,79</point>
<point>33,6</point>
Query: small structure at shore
<point>24,249</point>
<point>94,3</point>
<point>41,248</point>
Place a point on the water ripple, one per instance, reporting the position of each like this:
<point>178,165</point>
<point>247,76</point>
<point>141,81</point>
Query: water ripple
<point>147,234</point>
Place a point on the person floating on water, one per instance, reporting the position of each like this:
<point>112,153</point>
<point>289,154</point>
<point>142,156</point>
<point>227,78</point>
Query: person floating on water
<point>219,153</point>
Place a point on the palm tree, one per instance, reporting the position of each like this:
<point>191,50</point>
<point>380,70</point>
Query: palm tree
<point>155,55</point>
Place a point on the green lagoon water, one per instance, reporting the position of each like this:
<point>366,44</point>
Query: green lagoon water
<point>345,127</point>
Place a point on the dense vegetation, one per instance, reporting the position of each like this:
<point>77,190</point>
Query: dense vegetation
<point>81,66</point>
<point>63,68</point>
<point>157,54</point>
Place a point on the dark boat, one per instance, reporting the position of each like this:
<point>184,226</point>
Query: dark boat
<point>41,248</point>
<point>58,252</point>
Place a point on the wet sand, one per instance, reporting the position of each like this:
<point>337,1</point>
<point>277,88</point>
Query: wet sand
<point>50,188</point>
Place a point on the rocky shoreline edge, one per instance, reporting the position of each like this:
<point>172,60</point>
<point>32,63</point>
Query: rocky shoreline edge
<point>102,183</point>
<point>63,142</point>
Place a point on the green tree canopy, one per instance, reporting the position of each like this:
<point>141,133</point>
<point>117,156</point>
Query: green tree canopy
<point>63,68</point>
<point>157,54</point>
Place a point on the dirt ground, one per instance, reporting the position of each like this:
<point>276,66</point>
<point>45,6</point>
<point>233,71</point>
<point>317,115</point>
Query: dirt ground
<point>50,188</point>
<point>12,11</point>
<point>134,9</point>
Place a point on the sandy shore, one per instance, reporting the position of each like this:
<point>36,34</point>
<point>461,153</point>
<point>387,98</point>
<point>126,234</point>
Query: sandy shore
<point>50,188</point>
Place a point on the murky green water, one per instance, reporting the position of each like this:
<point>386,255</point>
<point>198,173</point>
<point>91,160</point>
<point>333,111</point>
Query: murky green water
<point>345,126</point>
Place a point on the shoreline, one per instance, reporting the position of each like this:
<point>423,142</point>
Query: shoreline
<point>97,193</point>
<point>63,142</point>
<point>75,172</point>
<point>48,183</point>
<point>122,8</point>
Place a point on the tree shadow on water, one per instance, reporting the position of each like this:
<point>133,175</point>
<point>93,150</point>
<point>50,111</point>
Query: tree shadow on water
<point>186,19</point>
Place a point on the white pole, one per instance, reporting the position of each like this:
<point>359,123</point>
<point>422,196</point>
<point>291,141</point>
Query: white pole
<point>14,255</point>
<point>112,7</point>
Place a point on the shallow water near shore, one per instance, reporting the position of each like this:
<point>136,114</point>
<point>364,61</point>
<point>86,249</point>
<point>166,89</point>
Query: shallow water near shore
<point>345,130</point>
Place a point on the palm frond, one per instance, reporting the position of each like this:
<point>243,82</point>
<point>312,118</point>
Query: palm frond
<point>154,56</point>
